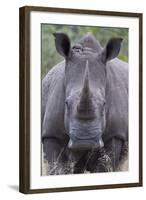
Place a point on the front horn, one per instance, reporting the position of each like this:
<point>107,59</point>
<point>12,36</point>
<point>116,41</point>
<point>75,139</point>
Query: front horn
<point>85,106</point>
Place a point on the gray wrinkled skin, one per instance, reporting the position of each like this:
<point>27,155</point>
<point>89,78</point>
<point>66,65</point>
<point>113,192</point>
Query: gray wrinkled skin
<point>84,97</point>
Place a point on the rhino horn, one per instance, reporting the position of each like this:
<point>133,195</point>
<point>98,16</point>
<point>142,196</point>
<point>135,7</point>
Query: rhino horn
<point>85,104</point>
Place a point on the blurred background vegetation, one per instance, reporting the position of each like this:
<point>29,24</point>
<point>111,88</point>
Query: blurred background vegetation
<point>50,57</point>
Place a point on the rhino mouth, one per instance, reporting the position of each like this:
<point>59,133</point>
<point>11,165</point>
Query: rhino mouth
<point>85,144</point>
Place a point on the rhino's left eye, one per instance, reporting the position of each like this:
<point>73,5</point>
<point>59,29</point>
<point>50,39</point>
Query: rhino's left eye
<point>104,104</point>
<point>66,103</point>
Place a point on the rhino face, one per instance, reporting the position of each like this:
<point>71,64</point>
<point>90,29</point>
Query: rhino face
<point>85,89</point>
<point>85,115</point>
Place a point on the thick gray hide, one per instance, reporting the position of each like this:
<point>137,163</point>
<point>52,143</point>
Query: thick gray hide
<point>53,102</point>
<point>117,100</point>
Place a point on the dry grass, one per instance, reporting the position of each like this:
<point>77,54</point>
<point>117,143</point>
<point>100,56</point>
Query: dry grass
<point>56,168</point>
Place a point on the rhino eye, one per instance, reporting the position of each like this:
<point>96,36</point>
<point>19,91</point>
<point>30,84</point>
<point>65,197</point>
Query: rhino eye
<point>103,108</point>
<point>67,104</point>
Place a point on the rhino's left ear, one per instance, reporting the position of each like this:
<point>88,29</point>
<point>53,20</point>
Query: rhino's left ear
<point>111,50</point>
<point>62,43</point>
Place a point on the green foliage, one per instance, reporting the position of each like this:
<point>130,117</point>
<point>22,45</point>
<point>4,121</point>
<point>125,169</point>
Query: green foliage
<point>50,57</point>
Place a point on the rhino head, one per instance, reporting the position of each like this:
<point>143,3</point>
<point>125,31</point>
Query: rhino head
<point>85,88</point>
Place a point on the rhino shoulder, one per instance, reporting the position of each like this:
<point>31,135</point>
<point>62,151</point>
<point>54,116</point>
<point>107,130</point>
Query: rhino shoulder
<point>117,71</point>
<point>51,77</point>
<point>117,99</point>
<point>50,81</point>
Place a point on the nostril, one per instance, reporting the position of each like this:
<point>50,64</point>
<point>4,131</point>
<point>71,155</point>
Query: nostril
<point>76,143</point>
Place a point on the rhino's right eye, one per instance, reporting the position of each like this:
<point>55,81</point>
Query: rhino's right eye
<point>66,103</point>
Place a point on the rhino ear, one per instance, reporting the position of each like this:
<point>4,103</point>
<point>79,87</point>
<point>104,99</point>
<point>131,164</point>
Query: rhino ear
<point>62,43</point>
<point>112,49</point>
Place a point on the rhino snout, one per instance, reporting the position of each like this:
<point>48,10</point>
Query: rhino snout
<point>85,144</point>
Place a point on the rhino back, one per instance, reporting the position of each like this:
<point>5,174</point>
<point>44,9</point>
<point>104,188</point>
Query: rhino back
<point>117,100</point>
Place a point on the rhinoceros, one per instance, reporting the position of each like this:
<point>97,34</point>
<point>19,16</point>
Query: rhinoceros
<point>85,105</point>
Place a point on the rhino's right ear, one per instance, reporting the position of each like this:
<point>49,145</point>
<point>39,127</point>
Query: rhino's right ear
<point>62,43</point>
